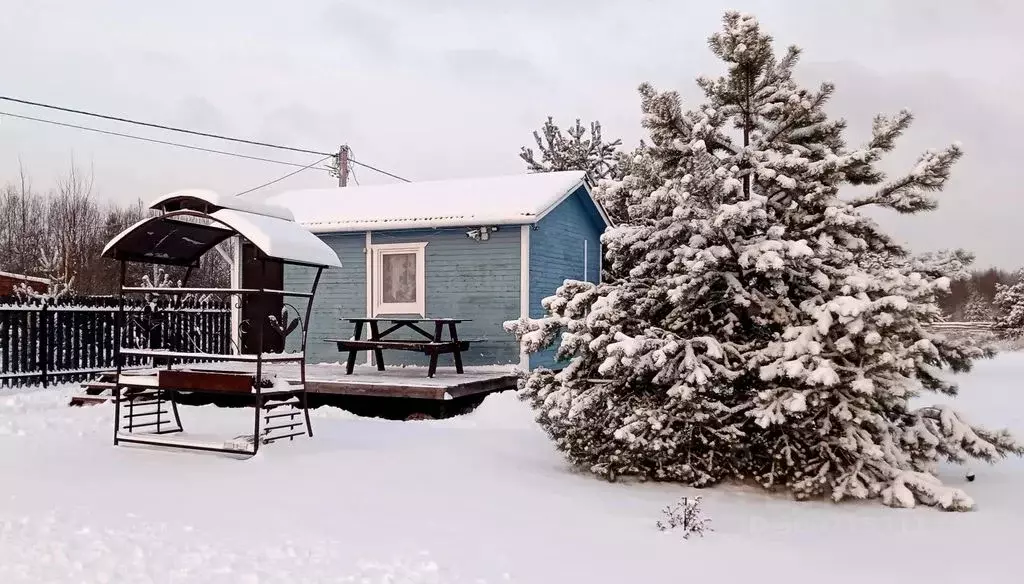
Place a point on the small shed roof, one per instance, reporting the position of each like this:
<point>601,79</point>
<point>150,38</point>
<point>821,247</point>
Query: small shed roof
<point>503,200</point>
<point>209,201</point>
<point>167,239</point>
<point>14,276</point>
<point>284,240</point>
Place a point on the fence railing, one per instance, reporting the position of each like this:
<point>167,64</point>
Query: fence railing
<point>966,326</point>
<point>44,342</point>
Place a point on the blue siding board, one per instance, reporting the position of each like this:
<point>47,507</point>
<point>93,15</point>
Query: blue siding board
<point>470,279</point>
<point>557,252</point>
<point>341,292</point>
<point>477,280</point>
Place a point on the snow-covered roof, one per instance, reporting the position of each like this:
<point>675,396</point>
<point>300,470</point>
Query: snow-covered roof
<point>168,239</point>
<point>278,238</point>
<point>14,276</point>
<point>206,200</point>
<point>502,200</point>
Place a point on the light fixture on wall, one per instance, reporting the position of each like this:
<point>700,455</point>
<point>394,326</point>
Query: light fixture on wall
<point>481,233</point>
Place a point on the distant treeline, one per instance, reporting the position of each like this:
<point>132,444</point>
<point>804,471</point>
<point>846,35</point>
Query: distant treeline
<point>59,233</point>
<point>981,286</point>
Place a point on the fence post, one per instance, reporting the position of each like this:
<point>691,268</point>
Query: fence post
<point>44,344</point>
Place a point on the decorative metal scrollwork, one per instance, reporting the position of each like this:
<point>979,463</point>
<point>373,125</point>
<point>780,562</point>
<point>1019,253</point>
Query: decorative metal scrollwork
<point>244,327</point>
<point>283,325</point>
<point>141,325</point>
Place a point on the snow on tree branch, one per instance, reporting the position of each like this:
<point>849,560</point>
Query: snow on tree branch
<point>1009,308</point>
<point>754,325</point>
<point>572,150</point>
<point>912,193</point>
<point>886,129</point>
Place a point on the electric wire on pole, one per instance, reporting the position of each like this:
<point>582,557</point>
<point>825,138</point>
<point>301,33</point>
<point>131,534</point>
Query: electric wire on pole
<point>343,156</point>
<point>343,160</point>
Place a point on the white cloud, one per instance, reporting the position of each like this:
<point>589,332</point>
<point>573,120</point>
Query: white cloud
<point>454,87</point>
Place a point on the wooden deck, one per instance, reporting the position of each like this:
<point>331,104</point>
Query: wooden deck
<point>445,385</point>
<point>365,381</point>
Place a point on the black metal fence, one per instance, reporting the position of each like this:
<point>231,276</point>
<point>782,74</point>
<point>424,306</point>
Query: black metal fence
<point>45,342</point>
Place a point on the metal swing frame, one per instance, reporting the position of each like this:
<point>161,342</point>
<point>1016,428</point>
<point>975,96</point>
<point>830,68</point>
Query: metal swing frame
<point>144,400</point>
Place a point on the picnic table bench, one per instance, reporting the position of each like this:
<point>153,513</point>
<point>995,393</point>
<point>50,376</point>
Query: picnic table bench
<point>431,345</point>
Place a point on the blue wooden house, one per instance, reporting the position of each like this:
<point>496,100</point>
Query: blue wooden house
<point>484,249</point>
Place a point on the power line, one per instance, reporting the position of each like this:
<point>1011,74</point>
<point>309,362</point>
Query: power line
<point>352,169</point>
<point>356,162</point>
<point>155,141</point>
<point>161,126</point>
<point>290,174</point>
<point>181,130</point>
<point>375,169</point>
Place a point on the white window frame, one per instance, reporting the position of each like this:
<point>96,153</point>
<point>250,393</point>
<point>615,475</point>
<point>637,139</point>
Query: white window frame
<point>419,306</point>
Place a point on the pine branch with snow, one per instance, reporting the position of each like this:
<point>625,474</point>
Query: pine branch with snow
<point>572,150</point>
<point>754,325</point>
<point>912,192</point>
<point>952,264</point>
<point>1009,308</point>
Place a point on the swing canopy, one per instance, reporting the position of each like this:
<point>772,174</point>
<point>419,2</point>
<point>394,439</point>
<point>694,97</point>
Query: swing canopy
<point>193,222</point>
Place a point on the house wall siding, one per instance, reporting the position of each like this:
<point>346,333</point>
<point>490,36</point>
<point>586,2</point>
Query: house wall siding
<point>477,280</point>
<point>464,279</point>
<point>341,293</point>
<point>557,254</point>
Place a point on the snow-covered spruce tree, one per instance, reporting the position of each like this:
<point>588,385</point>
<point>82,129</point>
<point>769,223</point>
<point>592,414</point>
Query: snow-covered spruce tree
<point>977,308</point>
<point>572,150</point>
<point>1009,308</point>
<point>757,326</point>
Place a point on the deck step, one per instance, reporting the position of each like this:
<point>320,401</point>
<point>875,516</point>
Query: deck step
<point>94,387</point>
<point>270,429</point>
<point>90,400</point>
<point>275,405</point>
<point>270,439</point>
<point>158,423</point>
<point>140,414</point>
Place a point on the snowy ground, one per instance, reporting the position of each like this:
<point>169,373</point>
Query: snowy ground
<point>482,498</point>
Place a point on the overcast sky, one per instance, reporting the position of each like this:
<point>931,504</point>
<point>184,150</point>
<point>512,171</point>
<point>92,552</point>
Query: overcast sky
<point>433,89</point>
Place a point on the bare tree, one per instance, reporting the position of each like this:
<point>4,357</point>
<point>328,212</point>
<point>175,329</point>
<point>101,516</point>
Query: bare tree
<point>60,235</point>
<point>23,217</point>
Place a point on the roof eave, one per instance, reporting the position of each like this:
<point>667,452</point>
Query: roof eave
<point>361,227</point>
<point>586,186</point>
<point>25,278</point>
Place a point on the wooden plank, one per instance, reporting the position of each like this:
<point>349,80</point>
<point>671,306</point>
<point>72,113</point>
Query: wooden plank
<point>205,381</point>
<point>397,320</point>
<point>505,383</point>
<point>374,389</point>
<point>181,291</point>
<point>398,390</point>
<point>90,400</point>
<point>211,356</point>
<point>422,347</point>
<point>378,345</point>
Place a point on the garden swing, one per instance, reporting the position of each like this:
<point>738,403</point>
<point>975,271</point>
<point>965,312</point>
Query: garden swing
<point>190,224</point>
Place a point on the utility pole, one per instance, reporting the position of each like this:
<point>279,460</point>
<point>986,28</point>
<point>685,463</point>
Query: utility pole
<point>343,166</point>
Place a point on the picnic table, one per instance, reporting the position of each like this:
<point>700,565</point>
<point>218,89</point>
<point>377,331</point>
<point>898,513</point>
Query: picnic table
<point>430,344</point>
